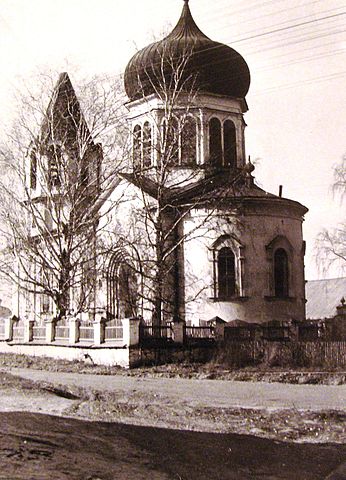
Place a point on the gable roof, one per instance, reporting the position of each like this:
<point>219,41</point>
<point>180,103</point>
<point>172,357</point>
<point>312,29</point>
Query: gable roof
<point>64,121</point>
<point>323,296</point>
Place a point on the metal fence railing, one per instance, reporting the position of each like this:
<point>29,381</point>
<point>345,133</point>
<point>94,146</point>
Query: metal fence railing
<point>113,330</point>
<point>62,332</point>
<point>2,330</point>
<point>156,331</point>
<point>86,332</point>
<point>39,332</point>
<point>18,332</point>
<point>199,332</point>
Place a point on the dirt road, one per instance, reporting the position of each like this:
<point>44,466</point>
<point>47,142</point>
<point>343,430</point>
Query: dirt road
<point>43,447</point>
<point>132,443</point>
<point>205,393</point>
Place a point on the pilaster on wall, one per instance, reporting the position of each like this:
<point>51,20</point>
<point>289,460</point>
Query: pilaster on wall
<point>73,330</point>
<point>130,331</point>
<point>28,330</point>
<point>99,328</point>
<point>8,328</point>
<point>50,330</point>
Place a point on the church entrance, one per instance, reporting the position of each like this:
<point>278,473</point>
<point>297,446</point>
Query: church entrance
<point>121,288</point>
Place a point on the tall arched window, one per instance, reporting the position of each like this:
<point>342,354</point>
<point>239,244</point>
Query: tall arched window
<point>121,289</point>
<point>226,273</point>
<point>188,142</point>
<point>281,273</point>
<point>137,140</point>
<point>33,170</point>
<point>172,142</point>
<point>229,144</point>
<point>55,167</point>
<point>215,142</point>
<point>146,144</point>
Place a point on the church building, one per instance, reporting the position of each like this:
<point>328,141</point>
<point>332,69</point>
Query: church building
<point>189,234</point>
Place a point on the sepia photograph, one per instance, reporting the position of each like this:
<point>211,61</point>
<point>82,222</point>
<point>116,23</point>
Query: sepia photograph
<point>173,240</point>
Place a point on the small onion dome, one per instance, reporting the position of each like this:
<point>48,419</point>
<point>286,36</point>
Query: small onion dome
<point>187,59</point>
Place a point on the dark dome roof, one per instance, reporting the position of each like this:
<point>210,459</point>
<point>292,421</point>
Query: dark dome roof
<point>210,66</point>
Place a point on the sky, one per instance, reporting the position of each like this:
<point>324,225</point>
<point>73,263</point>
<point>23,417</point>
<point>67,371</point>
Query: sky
<point>295,49</point>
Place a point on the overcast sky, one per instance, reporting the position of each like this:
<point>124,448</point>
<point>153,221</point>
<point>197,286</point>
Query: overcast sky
<point>295,49</point>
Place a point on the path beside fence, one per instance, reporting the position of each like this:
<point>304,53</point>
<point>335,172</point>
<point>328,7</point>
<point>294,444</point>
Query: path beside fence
<point>208,393</point>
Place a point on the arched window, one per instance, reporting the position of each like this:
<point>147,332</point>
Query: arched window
<point>172,142</point>
<point>226,273</point>
<point>54,165</point>
<point>229,144</point>
<point>121,289</point>
<point>146,144</point>
<point>281,273</point>
<point>136,151</point>
<point>33,170</point>
<point>215,142</point>
<point>188,142</point>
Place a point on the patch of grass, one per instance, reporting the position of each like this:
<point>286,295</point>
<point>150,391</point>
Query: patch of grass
<point>209,371</point>
<point>13,382</point>
<point>55,365</point>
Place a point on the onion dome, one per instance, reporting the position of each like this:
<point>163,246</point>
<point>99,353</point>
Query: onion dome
<point>187,59</point>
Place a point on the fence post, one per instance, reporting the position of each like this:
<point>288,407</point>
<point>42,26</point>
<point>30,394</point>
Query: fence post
<point>130,331</point>
<point>50,330</point>
<point>73,329</point>
<point>9,328</point>
<point>293,331</point>
<point>178,329</point>
<point>219,330</point>
<point>99,328</point>
<point>28,330</point>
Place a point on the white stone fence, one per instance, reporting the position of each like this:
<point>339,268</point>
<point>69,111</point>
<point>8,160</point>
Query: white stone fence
<point>72,330</point>
<point>79,330</point>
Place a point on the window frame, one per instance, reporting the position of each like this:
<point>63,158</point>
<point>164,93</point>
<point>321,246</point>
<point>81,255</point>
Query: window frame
<point>226,274</point>
<point>137,146</point>
<point>215,144</point>
<point>229,149</point>
<point>280,242</point>
<point>234,245</point>
<point>121,268</point>
<point>179,151</point>
<point>142,145</point>
<point>147,145</point>
<point>55,161</point>
<point>281,273</point>
<point>224,160</point>
<point>33,169</point>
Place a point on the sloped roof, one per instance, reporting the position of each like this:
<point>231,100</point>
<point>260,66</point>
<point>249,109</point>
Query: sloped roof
<point>323,296</point>
<point>216,320</point>
<point>64,120</point>
<point>221,186</point>
<point>241,323</point>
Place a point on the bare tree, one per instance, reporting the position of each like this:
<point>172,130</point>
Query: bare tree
<point>170,182</point>
<point>56,175</point>
<point>331,244</point>
<point>62,222</point>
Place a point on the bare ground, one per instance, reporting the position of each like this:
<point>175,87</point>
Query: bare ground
<point>300,413</point>
<point>140,431</point>
<point>41,447</point>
